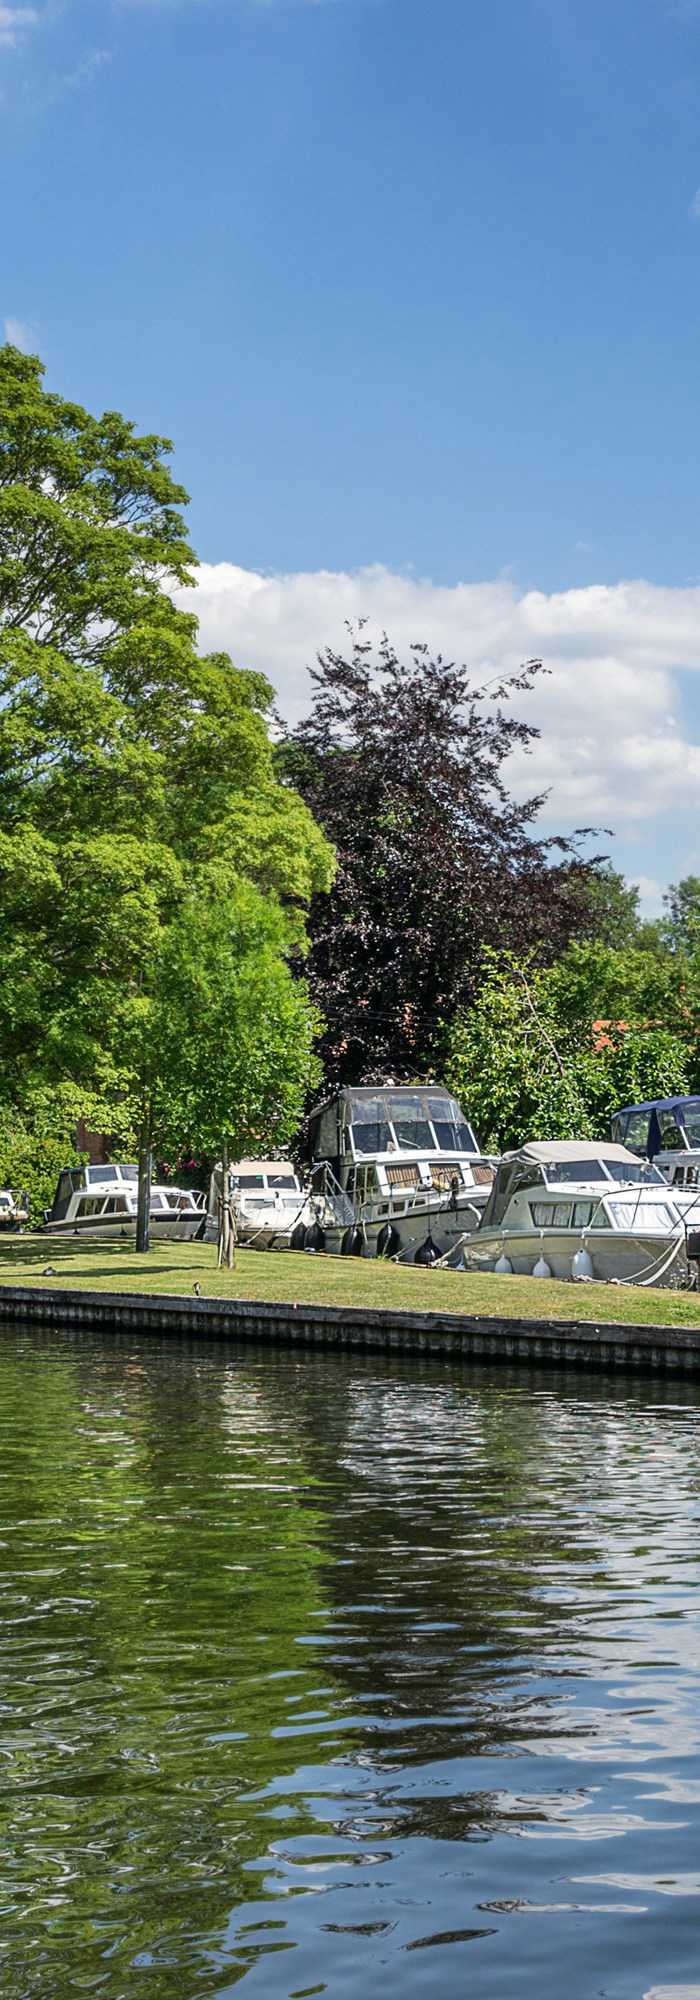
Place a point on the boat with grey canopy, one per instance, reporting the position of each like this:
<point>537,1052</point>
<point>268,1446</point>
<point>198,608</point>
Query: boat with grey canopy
<point>575,1209</point>
<point>396,1171</point>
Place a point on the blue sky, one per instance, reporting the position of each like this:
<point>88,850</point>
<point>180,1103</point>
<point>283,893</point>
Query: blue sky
<point>412,288</point>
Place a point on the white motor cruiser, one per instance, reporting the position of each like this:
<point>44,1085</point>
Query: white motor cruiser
<point>566,1209</point>
<point>101,1202</point>
<point>396,1172</point>
<point>270,1206</point>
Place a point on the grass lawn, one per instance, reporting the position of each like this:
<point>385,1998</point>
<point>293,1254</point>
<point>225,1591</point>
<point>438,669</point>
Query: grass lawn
<point>282,1277</point>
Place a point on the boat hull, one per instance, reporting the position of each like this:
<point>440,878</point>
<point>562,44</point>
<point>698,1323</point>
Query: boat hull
<point>654,1259</point>
<point>446,1227</point>
<point>120,1228</point>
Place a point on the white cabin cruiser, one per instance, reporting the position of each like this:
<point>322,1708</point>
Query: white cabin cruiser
<point>569,1209</point>
<point>270,1206</point>
<point>101,1202</point>
<point>396,1172</point>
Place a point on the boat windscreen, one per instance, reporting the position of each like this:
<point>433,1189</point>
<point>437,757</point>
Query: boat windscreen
<point>651,1216</point>
<point>411,1125</point>
<point>604,1169</point>
<point>418,1121</point>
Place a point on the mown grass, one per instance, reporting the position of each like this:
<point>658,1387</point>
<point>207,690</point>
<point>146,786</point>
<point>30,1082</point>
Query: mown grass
<point>283,1278</point>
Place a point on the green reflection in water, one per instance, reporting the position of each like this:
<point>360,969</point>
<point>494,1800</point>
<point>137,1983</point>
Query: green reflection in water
<point>326,1672</point>
<point>161,1545</point>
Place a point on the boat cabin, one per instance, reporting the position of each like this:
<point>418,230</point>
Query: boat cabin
<point>386,1141</point>
<point>84,1194</point>
<point>265,1183</point>
<point>119,1184</point>
<point>566,1185</point>
<point>667,1130</point>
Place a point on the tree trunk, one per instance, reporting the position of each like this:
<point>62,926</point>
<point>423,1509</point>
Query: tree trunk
<point>227,1220</point>
<point>143,1213</point>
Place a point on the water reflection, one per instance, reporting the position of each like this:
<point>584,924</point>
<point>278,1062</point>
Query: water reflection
<point>324,1676</point>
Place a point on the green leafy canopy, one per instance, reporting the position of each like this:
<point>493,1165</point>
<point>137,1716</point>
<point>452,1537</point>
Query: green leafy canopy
<point>138,796</point>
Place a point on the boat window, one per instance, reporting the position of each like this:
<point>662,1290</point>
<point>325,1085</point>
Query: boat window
<point>286,1181</point>
<point>444,1172</point>
<point>637,1172</point>
<point>370,1126</point>
<point>551,1214</point>
<point>102,1174</point>
<point>248,1180</point>
<point>689,1115</point>
<point>637,1131</point>
<point>651,1216</point>
<point>158,1200</point>
<point>583,1213</point>
<point>454,1138</point>
<point>576,1170</point>
<point>671,1137</point>
<point>405,1176</point>
<point>411,1126</point>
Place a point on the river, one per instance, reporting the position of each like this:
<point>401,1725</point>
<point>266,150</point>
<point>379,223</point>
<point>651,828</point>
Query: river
<point>325,1676</point>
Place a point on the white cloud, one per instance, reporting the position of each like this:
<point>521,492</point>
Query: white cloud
<point>650,905</point>
<point>613,750</point>
<point>18,333</point>
<point>15,22</point>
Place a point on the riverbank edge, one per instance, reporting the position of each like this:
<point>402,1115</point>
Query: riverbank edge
<point>666,1350</point>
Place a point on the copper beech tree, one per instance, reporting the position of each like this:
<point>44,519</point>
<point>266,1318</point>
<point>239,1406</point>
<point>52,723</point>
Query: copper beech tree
<point>403,762</point>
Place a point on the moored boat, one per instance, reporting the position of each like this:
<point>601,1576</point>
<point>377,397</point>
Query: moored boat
<point>14,1209</point>
<point>666,1130</point>
<point>270,1206</point>
<point>101,1202</point>
<point>396,1172</point>
<point>570,1209</point>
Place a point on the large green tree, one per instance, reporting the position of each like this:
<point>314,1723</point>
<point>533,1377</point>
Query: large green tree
<point>137,788</point>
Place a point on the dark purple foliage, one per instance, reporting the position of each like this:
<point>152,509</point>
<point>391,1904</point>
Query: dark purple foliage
<point>402,761</point>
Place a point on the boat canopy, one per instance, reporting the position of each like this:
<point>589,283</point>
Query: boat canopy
<point>659,1125</point>
<point>364,1121</point>
<point>559,1150</point>
<point>562,1162</point>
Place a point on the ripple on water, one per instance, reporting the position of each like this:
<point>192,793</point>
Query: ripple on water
<point>324,1677</point>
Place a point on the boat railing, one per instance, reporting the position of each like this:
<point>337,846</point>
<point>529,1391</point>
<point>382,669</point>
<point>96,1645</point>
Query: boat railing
<point>327,1188</point>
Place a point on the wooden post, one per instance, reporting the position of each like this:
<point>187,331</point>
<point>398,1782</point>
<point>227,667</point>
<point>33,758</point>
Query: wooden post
<point>227,1220</point>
